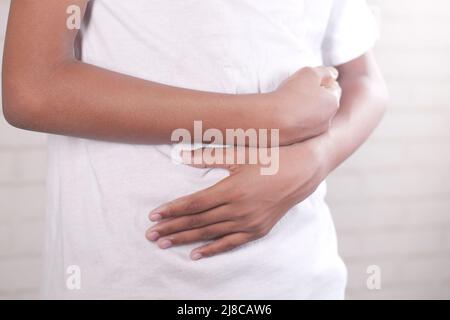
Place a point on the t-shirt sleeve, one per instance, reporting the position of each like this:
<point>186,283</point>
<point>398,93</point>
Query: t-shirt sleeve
<point>352,31</point>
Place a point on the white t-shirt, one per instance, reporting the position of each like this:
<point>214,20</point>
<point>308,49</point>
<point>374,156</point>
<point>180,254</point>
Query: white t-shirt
<point>100,193</point>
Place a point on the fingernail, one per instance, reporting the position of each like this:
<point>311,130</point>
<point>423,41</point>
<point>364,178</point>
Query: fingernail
<point>157,213</point>
<point>153,236</point>
<point>196,256</point>
<point>164,244</point>
<point>155,217</point>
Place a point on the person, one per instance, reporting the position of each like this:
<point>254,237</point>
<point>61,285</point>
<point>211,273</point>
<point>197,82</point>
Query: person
<point>133,223</point>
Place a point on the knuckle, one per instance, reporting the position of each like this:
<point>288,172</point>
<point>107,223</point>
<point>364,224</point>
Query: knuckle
<point>238,193</point>
<point>174,239</point>
<point>162,230</point>
<point>309,71</point>
<point>179,239</point>
<point>169,209</point>
<point>332,100</point>
<point>259,228</point>
<point>227,246</point>
<point>265,231</point>
<point>261,231</point>
<point>254,225</point>
<point>231,215</point>
<point>334,104</point>
<point>206,234</point>
<point>239,214</point>
<point>212,250</point>
<point>192,222</point>
<point>193,204</point>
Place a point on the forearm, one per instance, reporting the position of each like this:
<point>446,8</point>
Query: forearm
<point>46,89</point>
<point>363,103</point>
<point>362,107</point>
<point>82,100</point>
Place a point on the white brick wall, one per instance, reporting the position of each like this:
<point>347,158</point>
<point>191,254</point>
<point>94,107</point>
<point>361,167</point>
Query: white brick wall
<point>22,191</point>
<point>391,201</point>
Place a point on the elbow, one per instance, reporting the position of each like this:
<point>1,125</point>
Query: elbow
<point>382,96</point>
<point>377,92</point>
<point>24,106</point>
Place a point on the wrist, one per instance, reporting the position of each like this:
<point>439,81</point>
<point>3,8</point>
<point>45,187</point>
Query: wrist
<point>252,111</point>
<point>316,156</point>
<point>266,111</point>
<point>273,116</point>
<point>320,149</point>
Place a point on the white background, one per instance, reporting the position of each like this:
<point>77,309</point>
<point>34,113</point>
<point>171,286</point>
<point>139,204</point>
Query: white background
<point>391,201</point>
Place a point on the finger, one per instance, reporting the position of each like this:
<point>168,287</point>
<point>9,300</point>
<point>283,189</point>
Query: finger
<point>327,75</point>
<point>221,245</point>
<point>190,222</point>
<point>195,203</point>
<point>202,234</point>
<point>210,157</point>
<point>327,72</point>
<point>336,90</point>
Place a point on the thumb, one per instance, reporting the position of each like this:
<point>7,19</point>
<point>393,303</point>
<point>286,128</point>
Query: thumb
<point>327,75</point>
<point>207,157</point>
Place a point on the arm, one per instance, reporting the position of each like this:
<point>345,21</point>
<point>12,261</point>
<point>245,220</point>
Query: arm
<point>46,89</point>
<point>246,205</point>
<point>363,104</point>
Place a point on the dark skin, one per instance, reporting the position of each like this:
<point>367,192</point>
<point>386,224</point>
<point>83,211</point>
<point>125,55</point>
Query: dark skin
<point>42,80</point>
<point>46,89</point>
<point>245,206</point>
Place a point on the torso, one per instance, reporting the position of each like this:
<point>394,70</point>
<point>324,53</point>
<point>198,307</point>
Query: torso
<point>100,193</point>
